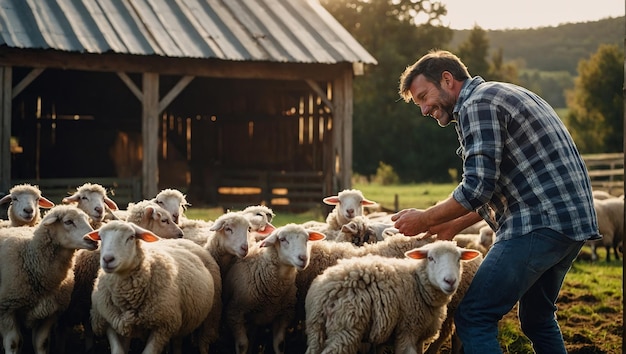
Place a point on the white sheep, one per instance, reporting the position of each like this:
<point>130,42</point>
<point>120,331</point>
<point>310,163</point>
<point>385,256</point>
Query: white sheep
<point>145,214</point>
<point>156,289</point>
<point>601,195</point>
<point>260,288</point>
<point>610,213</point>
<point>358,232</point>
<point>173,201</point>
<point>482,241</point>
<point>228,239</point>
<point>92,199</point>
<point>260,217</point>
<point>25,201</point>
<point>36,276</point>
<point>372,298</point>
<point>348,204</point>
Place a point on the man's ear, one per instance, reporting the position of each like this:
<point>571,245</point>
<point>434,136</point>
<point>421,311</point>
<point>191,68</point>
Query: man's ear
<point>447,80</point>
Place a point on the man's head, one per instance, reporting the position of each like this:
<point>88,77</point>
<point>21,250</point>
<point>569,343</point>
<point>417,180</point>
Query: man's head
<point>433,83</point>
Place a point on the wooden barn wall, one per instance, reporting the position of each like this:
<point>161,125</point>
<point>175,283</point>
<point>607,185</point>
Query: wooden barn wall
<point>74,123</point>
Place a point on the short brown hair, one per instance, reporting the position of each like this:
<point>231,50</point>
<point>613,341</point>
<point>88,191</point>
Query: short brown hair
<point>432,65</point>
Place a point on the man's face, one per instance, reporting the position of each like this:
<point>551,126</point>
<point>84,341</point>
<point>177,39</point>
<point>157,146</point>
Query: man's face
<point>433,101</point>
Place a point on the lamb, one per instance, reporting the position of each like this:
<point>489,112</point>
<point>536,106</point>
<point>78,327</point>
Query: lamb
<point>156,289</point>
<point>372,297</point>
<point>93,200</point>
<point>260,288</point>
<point>36,276</point>
<point>228,239</point>
<point>24,208</point>
<point>358,231</point>
<point>610,213</point>
<point>348,204</point>
<point>155,218</point>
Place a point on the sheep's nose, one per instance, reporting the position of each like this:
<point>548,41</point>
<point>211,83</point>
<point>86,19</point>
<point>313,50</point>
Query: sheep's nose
<point>450,281</point>
<point>303,258</point>
<point>108,259</point>
<point>28,210</point>
<point>98,210</point>
<point>350,212</point>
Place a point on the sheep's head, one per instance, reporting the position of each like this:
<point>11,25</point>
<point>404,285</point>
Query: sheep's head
<point>444,263</point>
<point>25,202</point>
<point>174,202</point>
<point>348,204</point>
<point>93,200</point>
<point>120,249</point>
<point>232,231</point>
<point>155,219</point>
<point>67,224</point>
<point>260,217</point>
<point>291,242</point>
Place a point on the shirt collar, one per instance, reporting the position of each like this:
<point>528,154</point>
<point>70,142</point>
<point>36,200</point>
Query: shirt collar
<point>466,91</point>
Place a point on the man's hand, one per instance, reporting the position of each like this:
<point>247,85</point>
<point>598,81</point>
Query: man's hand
<point>410,221</point>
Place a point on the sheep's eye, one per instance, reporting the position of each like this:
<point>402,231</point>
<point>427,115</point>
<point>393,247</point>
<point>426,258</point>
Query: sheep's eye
<point>68,222</point>
<point>282,239</point>
<point>165,221</point>
<point>84,198</point>
<point>228,229</point>
<point>431,259</point>
<point>14,199</point>
<point>159,202</point>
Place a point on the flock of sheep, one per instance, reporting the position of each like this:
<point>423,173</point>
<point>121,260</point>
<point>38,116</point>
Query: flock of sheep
<point>87,277</point>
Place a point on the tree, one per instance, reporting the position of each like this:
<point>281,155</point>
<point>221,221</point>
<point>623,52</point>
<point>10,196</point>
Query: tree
<point>474,52</point>
<point>596,116</point>
<point>386,130</point>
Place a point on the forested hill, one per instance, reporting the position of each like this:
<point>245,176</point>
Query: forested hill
<point>553,48</point>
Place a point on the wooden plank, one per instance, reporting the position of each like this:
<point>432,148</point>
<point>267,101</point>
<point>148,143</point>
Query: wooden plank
<point>32,75</point>
<point>606,173</point>
<point>150,134</point>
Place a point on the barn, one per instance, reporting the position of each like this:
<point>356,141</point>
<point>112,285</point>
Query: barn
<point>233,102</point>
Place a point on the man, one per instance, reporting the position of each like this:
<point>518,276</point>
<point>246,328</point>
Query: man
<point>523,174</point>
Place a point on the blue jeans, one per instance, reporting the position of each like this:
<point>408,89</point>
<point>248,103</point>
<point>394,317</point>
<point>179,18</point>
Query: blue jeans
<point>529,269</point>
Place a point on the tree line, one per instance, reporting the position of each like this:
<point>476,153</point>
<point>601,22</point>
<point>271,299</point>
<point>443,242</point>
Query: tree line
<point>398,32</point>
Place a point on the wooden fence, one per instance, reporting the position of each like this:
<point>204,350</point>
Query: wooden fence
<point>606,172</point>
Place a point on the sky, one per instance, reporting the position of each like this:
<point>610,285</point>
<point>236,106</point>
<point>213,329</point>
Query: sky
<point>524,14</point>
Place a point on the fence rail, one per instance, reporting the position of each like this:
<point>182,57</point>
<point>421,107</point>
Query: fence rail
<point>606,171</point>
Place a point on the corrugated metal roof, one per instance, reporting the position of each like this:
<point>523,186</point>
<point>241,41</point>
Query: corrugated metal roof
<point>297,31</point>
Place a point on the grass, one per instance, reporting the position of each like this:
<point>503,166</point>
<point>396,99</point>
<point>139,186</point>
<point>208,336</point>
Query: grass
<point>590,305</point>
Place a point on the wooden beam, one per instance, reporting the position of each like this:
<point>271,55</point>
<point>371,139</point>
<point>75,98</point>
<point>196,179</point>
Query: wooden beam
<point>32,75</point>
<point>150,134</point>
<point>109,62</point>
<point>6,85</point>
<point>318,90</point>
<point>174,92</point>
<point>131,85</point>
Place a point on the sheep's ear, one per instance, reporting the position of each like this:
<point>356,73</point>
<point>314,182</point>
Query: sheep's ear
<point>144,234</point>
<point>416,253</point>
<point>269,228</point>
<point>5,199</point>
<point>365,202</point>
<point>149,212</point>
<point>71,199</point>
<point>467,254</point>
<point>110,203</point>
<point>269,240</point>
<point>217,225</point>
<point>93,235</point>
<point>334,200</point>
<point>44,203</point>
<point>315,236</point>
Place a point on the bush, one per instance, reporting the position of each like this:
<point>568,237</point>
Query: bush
<point>385,175</point>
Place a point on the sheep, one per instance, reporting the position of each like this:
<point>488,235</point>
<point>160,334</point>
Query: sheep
<point>481,242</point>
<point>228,239</point>
<point>156,289</point>
<point>610,214</point>
<point>348,204</point>
<point>260,288</point>
<point>145,214</point>
<point>173,201</point>
<point>36,276</point>
<point>93,200</point>
<point>24,208</point>
<point>358,231</point>
<point>601,195</point>
<point>372,298</point>
<point>260,217</point>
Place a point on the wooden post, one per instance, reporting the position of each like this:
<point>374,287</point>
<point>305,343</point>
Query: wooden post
<point>150,134</point>
<point>342,132</point>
